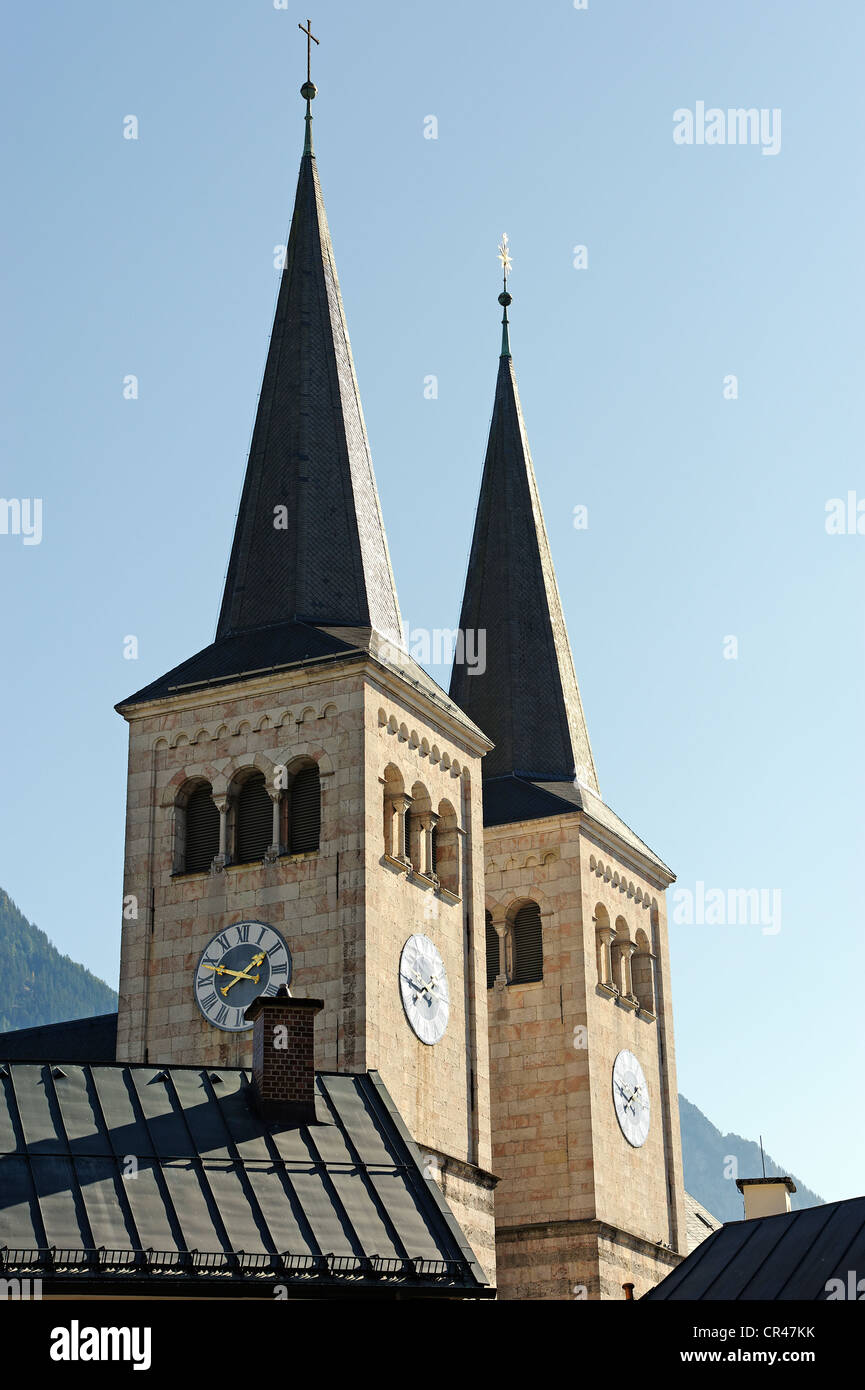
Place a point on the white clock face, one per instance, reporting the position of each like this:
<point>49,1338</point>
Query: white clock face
<point>631,1099</point>
<point>236,965</point>
<point>423,985</point>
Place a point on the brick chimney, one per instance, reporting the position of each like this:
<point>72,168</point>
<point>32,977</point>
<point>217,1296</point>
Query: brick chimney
<point>765,1196</point>
<point>283,1057</point>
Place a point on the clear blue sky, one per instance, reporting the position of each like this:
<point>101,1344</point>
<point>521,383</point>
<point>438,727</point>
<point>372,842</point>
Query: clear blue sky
<point>706,515</point>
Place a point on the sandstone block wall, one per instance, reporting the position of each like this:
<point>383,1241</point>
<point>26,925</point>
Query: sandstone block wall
<point>557,1145</point>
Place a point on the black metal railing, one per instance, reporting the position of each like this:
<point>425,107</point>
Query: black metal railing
<point>238,1264</point>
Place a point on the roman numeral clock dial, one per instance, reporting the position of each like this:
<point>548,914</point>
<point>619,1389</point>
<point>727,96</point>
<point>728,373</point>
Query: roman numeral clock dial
<point>236,965</point>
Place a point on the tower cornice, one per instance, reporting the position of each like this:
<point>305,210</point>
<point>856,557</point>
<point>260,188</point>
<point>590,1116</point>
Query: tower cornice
<point>354,662</point>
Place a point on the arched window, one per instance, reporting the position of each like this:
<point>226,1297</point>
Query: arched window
<point>643,974</point>
<point>197,829</point>
<point>418,831</point>
<point>622,949</point>
<point>300,821</point>
<point>528,949</point>
<point>253,819</point>
<point>394,807</point>
<point>603,938</point>
<point>493,952</point>
<point>447,845</point>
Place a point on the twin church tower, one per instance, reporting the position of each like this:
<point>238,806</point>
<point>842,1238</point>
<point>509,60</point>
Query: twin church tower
<point>306,806</point>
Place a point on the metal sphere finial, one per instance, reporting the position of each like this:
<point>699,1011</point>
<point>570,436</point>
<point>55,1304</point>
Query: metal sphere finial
<point>308,91</point>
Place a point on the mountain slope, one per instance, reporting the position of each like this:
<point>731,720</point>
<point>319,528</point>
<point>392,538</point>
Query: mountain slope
<point>706,1155</point>
<point>38,985</point>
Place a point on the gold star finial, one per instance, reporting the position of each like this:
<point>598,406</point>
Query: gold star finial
<point>505,257</point>
<point>504,297</point>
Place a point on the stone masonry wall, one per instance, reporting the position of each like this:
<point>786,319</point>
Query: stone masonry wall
<point>344,911</point>
<point>557,1144</point>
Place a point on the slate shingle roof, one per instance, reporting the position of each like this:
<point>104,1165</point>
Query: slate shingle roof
<point>526,700</point>
<point>234,658</point>
<point>279,647</point>
<point>310,455</point>
<point>342,1205</point>
<point>699,1222</point>
<point>326,564</point>
<point>510,799</point>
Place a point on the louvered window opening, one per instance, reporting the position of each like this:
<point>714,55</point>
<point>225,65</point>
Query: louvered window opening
<point>304,820</point>
<point>528,946</point>
<point>254,820</point>
<point>493,955</point>
<point>408,836</point>
<point>202,830</point>
<point>435,848</point>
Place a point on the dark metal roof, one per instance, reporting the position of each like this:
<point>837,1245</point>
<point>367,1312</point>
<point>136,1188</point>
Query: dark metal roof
<point>267,650</point>
<point>79,1040</point>
<point>508,799</point>
<point>235,658</point>
<point>338,1206</point>
<point>791,1256</point>
<point>526,700</point>
<point>511,798</point>
<point>309,455</point>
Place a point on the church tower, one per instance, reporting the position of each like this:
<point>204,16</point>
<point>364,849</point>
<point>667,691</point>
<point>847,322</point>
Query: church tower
<point>585,1118</point>
<point>304,802</point>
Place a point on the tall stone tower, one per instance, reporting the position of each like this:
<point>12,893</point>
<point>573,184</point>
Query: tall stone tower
<point>304,802</point>
<point>583,1084</point>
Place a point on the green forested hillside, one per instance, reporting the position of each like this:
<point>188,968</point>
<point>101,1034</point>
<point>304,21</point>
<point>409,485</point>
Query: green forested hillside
<point>38,985</point>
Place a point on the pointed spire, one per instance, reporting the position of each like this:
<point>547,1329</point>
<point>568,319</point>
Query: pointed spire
<point>526,699</point>
<point>309,544</point>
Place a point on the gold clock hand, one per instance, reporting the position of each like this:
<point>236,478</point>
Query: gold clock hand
<point>225,988</point>
<point>244,974</point>
<point>417,984</point>
<point>223,969</point>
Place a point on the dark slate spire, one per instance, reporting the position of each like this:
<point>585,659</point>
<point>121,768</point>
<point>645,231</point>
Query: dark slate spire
<point>309,545</point>
<point>526,700</point>
<point>317,586</point>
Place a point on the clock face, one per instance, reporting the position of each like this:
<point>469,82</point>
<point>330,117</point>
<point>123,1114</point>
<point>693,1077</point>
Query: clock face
<point>423,985</point>
<point>631,1099</point>
<point>236,965</point>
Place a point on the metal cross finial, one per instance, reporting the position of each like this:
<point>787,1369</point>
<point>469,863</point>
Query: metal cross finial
<point>310,40</point>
